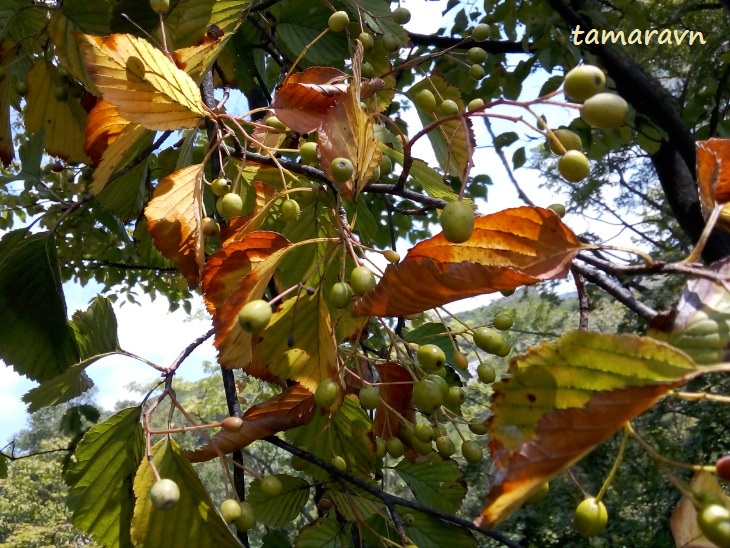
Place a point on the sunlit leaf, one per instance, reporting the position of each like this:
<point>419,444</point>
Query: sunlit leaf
<point>282,509</point>
<point>324,533</point>
<point>64,387</point>
<point>562,399</point>
<point>508,249</point>
<point>189,20</point>
<point>101,477</point>
<point>7,55</point>
<point>437,482</point>
<point>144,85</point>
<point>293,407</point>
<point>103,127</point>
<point>173,219</point>
<point>395,400</point>
<point>713,176</point>
<point>193,521</point>
<point>685,530</point>
<point>196,60</point>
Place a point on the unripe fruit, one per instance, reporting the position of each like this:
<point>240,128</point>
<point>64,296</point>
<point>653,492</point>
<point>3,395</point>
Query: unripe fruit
<point>445,446</point>
<point>362,280</point>
<point>425,100</point>
<point>427,397</point>
<point>61,93</point>
<point>431,357</point>
<point>502,321</point>
<point>339,463</point>
<point>341,295</point>
<point>505,349</point>
<point>220,186</point>
<point>232,424</point>
<point>460,360</point>
<point>539,495</point>
<point>210,227</point>
<point>408,519</point>
<point>583,82</point>
<point>559,209</point>
<point>367,40</point>
<point>275,123</point>
<point>290,210</point>
<point>341,170</point>
<point>475,104</point>
<point>395,447</point>
<point>714,522</point>
<point>456,396</point>
<point>369,397</point>
<point>164,494</point>
<point>367,71</point>
<point>477,72</point>
<point>326,393</point>
<point>457,221</point>
<point>449,107</point>
<point>421,447</point>
<point>391,42</point>
<point>605,110</point>
<point>476,55</point>
<point>381,448</point>
<point>230,510</point>
<point>590,518</point>
<point>480,32</point>
<point>255,315</point>
<point>423,432</point>
<point>160,6</point>
<point>401,16</point>
<point>478,427</point>
<point>324,505</point>
<point>472,451</point>
<point>271,486</point>
<point>488,339</point>
<point>574,166</point>
<point>723,467</point>
<point>230,205</point>
<point>308,152</point>
<point>21,88</point>
<point>247,519</point>
<point>391,256</point>
<point>386,166</point>
<point>439,381</point>
<point>338,21</point>
<point>569,140</point>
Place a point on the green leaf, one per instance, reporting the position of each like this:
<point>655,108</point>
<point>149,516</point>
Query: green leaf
<point>60,389</point>
<point>100,480</point>
<point>424,176</point>
<point>275,539</point>
<point>505,139</point>
<point>91,18</point>
<point>35,338</point>
<point>282,509</point>
<point>518,158</point>
<point>429,532</point>
<point>437,482</point>
<point>31,154</point>
<point>189,20</point>
<point>324,533</point>
<point>193,521</point>
<point>352,503</point>
<point>96,329</point>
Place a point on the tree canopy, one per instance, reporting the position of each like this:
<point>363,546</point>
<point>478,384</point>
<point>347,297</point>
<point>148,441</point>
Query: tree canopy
<point>128,161</point>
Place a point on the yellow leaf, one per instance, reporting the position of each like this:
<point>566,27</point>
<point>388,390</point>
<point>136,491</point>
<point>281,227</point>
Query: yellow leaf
<point>173,219</point>
<point>189,20</point>
<point>144,85</point>
<point>63,121</point>
<point>61,30</point>
<point>196,60</point>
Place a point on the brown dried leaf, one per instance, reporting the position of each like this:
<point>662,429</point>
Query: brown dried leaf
<point>395,399</point>
<point>713,174</point>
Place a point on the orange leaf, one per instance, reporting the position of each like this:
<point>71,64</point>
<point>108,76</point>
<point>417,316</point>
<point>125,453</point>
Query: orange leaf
<point>713,173</point>
<point>103,126</point>
<point>293,407</point>
<point>173,220</point>
<point>238,227</point>
<point>395,398</point>
<point>514,247</point>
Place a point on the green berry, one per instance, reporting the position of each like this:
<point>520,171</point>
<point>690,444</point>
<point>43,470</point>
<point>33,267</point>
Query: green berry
<point>590,518</point>
<point>475,104</point>
<point>427,396</point>
<point>425,100</point>
<point>559,209</point>
<point>326,393</point>
<point>164,494</point>
<point>369,397</point>
<point>391,256</point>
<point>449,108</point>
<point>539,495</point>
<point>247,519</point>
<point>61,93</point>
<point>290,210</point>
<point>456,396</point>
<point>460,360</point>
<point>210,227</point>
<point>338,21</point>
<point>480,32</point>
<point>583,82</point>
<point>457,221</point>
<point>478,427</point>
<point>574,166</point>
<point>255,315</point>
<point>341,170</point>
<point>160,6</point>
<point>569,140</point>
<point>341,295</point>
<point>386,166</point>
<point>502,321</point>
<point>230,205</point>
<point>401,16</point>
<point>423,432</point>
<point>271,486</point>
<point>275,123</point>
<point>445,446</point>
<point>21,88</point>
<point>605,110</point>
<point>367,40</point>
<point>308,152</point>
<point>488,339</point>
<point>714,522</point>
<point>477,72</point>
<point>220,186</point>
<point>476,55</point>
<point>362,280</point>
<point>395,447</point>
<point>381,448</point>
<point>391,42</point>
<point>230,510</point>
<point>431,357</point>
<point>339,463</point>
<point>472,451</point>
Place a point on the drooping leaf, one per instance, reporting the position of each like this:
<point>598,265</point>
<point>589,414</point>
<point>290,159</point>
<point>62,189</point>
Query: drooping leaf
<point>101,477</point>
<point>174,216</point>
<point>324,533</point>
<point>282,509</point>
<point>437,482</point>
<point>293,407</point>
<point>62,388</point>
<point>144,85</point>
<point>193,521</point>
<point>395,400</point>
<point>713,177</point>
<point>508,249</point>
<point>62,121</point>
<point>685,530</point>
<point>563,398</point>
<point>7,55</point>
<point>35,338</point>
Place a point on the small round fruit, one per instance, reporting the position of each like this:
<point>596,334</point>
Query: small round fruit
<point>271,486</point>
<point>559,209</point>
<point>391,42</point>
<point>381,448</point>
<point>425,100</point>
<point>275,123</point>
<point>605,110</point>
<point>341,295</point>
<point>714,522</point>
<point>445,446</point>
<point>230,205</point>
<point>539,495</point>
<point>339,463</point>
<point>338,21</point>
<point>308,152</point>
<point>326,393</point>
<point>460,360</point>
<point>476,55</point>
<point>362,280</point>
<point>456,396</point>
<point>395,447</point>
<point>723,467</point>
<point>57,166</point>
<point>480,32</point>
<point>569,140</point>
<point>408,519</point>
<point>449,107</point>
<point>220,186</point>
<point>504,350</point>
<point>475,104</point>
<point>488,339</point>
<point>386,166</point>
<point>210,227</point>
<point>324,505</point>
<point>439,381</point>
<point>583,82</point>
<point>401,16</point>
<point>423,432</point>
<point>369,397</point>
<point>247,519</point>
<point>255,315</point>
<point>164,494</point>
<point>477,72</point>
<point>431,357</point>
<point>341,170</point>
<point>574,166</point>
<point>230,510</point>
<point>502,321</point>
<point>472,451</point>
<point>367,71</point>
<point>160,6</point>
<point>427,396</point>
<point>21,88</point>
<point>590,518</point>
<point>367,40</point>
<point>478,427</point>
<point>421,447</point>
<point>232,424</point>
<point>391,256</point>
<point>457,221</point>
<point>61,93</point>
<point>290,210</point>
